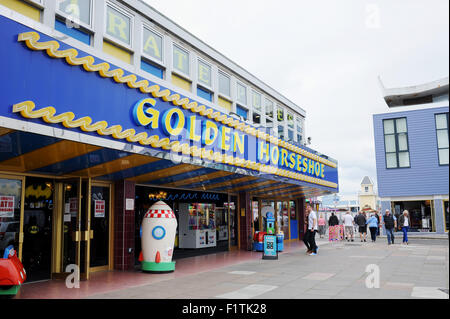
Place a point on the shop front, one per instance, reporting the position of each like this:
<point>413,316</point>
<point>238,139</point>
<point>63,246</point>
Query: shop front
<point>86,147</point>
<point>207,222</point>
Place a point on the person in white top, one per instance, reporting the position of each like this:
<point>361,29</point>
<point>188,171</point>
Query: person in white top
<point>309,239</point>
<point>348,225</point>
<point>404,224</point>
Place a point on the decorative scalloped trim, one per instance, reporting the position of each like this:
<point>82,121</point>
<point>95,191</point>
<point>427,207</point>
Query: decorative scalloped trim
<point>47,114</point>
<point>31,40</point>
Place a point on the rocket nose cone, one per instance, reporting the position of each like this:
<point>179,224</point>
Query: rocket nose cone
<point>158,257</point>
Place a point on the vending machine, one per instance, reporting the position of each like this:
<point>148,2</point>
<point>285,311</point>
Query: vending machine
<point>197,225</point>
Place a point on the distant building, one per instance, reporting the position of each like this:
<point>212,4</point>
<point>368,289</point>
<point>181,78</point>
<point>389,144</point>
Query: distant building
<point>367,197</point>
<point>412,154</point>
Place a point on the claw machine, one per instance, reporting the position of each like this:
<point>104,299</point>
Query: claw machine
<point>197,225</point>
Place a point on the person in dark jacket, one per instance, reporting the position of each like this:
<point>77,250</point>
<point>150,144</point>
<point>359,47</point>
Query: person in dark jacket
<point>333,221</point>
<point>362,227</point>
<point>389,224</point>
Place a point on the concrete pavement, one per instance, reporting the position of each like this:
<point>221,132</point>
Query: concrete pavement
<point>340,270</point>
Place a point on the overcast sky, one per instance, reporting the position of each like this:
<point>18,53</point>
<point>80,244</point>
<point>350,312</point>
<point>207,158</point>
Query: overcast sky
<point>326,56</point>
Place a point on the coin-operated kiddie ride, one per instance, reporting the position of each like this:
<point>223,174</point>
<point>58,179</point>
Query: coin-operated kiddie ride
<point>158,238</point>
<point>12,273</point>
<point>258,237</point>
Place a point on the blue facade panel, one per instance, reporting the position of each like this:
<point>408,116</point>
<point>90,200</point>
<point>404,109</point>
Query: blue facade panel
<point>425,176</point>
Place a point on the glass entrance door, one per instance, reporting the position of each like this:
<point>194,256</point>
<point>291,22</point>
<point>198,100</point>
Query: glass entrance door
<point>37,228</point>
<point>11,208</point>
<point>100,221</point>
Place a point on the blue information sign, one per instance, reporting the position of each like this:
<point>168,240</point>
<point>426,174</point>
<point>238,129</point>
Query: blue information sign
<point>270,247</point>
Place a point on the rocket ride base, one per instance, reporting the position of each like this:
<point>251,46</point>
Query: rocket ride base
<point>148,266</point>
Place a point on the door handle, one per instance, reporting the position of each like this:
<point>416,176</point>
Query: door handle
<point>76,236</point>
<point>91,234</point>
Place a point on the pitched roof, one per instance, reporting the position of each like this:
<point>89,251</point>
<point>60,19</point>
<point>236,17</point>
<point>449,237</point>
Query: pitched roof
<point>366,181</point>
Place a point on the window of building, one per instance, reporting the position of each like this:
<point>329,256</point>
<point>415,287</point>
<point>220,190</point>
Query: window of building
<point>366,189</point>
<point>180,60</point>
<point>76,13</point>
<point>281,132</point>
<point>207,95</point>
<point>269,109</point>
<point>242,112</point>
<point>152,69</point>
<point>256,101</point>
<point>299,125</point>
<point>152,44</point>
<point>76,33</point>
<point>396,143</point>
<point>241,93</point>
<point>442,137</point>
<point>256,118</point>
<point>290,120</point>
<point>290,135</point>
<point>299,138</point>
<point>204,73</point>
<point>280,114</point>
<point>118,25</point>
<point>224,84</point>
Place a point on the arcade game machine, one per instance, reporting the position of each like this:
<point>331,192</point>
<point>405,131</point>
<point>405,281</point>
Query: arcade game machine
<point>12,273</point>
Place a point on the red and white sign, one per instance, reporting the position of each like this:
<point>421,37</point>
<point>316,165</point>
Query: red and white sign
<point>7,206</point>
<point>99,208</point>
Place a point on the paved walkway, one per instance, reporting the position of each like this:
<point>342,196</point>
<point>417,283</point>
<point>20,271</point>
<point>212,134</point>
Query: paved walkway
<point>419,270</point>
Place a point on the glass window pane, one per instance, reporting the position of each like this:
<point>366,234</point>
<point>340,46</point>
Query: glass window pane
<point>224,84</point>
<point>152,44</point>
<point>442,136</point>
<point>391,160</point>
<point>269,108</point>
<point>118,25</point>
<point>257,101</point>
<point>80,10</point>
<point>204,73</point>
<point>389,141</point>
<point>403,159</point>
<point>241,112</point>
<point>443,156</point>
<point>290,120</point>
<point>280,115</point>
<point>241,93</point>
<point>441,121</point>
<point>388,126</point>
<point>401,125</point>
<point>403,142</point>
<point>256,118</point>
<point>290,135</point>
<point>180,60</point>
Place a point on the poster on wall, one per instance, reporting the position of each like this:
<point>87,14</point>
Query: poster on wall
<point>99,208</point>
<point>7,206</point>
<point>73,209</point>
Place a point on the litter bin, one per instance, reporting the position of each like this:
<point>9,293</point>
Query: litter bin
<point>280,240</point>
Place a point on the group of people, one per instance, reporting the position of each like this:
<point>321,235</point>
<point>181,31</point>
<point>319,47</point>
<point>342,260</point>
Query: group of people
<point>374,222</point>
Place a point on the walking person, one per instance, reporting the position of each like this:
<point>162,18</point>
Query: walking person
<point>389,224</point>
<point>322,226</point>
<point>404,223</point>
<point>348,224</point>
<point>362,226</point>
<point>333,228</point>
<point>372,222</point>
<point>311,231</point>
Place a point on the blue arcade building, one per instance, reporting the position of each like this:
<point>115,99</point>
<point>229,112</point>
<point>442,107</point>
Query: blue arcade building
<point>412,154</point>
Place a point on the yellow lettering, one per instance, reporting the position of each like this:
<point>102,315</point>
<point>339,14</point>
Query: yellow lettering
<point>117,23</point>
<point>225,137</point>
<point>140,115</point>
<point>191,129</point>
<point>208,128</point>
<point>275,155</point>
<point>292,159</point>
<point>299,162</point>
<point>322,170</point>
<point>305,165</point>
<point>151,46</point>
<point>284,155</point>
<point>263,150</point>
<point>239,141</point>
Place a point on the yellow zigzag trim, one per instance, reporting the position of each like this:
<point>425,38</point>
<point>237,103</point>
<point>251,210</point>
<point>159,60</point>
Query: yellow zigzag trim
<point>27,110</point>
<point>70,55</point>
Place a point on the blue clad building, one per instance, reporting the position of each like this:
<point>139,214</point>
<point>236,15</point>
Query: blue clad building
<point>412,155</point>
